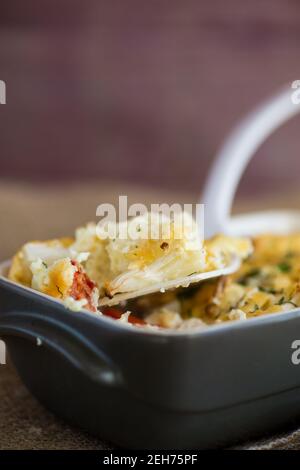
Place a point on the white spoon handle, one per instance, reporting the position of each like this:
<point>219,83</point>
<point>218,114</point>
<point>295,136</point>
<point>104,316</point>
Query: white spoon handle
<point>235,154</point>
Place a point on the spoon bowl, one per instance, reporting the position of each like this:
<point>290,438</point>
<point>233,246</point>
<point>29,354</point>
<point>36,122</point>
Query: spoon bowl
<point>185,281</point>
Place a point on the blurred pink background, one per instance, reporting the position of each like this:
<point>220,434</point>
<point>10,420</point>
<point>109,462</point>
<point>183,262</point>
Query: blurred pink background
<point>143,91</point>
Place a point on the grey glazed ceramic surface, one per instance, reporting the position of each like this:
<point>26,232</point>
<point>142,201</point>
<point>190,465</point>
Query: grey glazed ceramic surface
<point>141,389</point>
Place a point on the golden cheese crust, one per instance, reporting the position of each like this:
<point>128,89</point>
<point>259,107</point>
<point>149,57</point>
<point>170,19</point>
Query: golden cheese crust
<point>19,270</point>
<point>267,282</point>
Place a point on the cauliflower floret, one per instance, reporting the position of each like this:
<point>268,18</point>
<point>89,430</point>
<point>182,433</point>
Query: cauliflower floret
<point>48,251</point>
<point>220,247</point>
<point>237,314</point>
<point>65,280</point>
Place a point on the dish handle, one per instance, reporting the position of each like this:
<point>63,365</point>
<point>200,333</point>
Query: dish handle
<point>70,344</point>
<point>236,153</point>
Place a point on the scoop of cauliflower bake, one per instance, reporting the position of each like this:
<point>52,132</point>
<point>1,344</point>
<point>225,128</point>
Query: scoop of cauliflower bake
<point>156,249</point>
<point>122,264</point>
<point>144,251</point>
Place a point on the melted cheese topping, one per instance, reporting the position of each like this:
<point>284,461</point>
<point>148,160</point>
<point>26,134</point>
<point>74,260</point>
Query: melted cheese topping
<point>55,280</point>
<point>267,282</point>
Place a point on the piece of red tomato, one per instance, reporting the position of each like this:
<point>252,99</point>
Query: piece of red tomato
<point>117,313</point>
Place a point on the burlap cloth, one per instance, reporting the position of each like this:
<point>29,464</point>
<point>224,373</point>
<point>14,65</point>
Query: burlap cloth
<point>42,212</point>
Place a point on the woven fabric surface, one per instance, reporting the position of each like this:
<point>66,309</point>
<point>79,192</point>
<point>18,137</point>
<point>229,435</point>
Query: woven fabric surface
<point>43,212</point>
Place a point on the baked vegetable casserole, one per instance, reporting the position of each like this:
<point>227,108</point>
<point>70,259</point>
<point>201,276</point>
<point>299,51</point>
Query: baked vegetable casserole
<point>83,270</point>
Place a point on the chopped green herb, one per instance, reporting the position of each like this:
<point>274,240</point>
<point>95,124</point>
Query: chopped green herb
<point>284,267</point>
<point>284,301</point>
<point>45,264</point>
<point>267,290</point>
<point>256,307</point>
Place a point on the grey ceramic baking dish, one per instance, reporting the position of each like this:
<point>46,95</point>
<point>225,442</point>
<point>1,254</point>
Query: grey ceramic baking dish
<point>163,389</point>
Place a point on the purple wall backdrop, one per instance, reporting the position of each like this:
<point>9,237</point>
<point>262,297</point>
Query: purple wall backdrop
<point>142,90</point>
